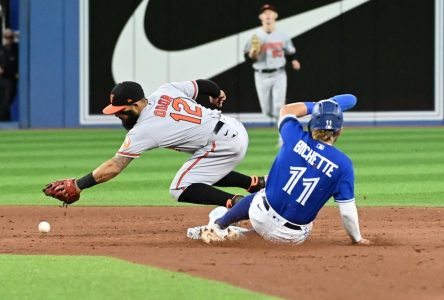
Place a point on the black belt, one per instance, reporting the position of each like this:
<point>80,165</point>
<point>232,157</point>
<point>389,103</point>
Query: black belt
<point>287,224</point>
<point>218,127</point>
<point>268,70</point>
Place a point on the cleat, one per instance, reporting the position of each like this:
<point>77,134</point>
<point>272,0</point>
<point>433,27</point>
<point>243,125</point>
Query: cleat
<point>212,234</point>
<point>257,184</point>
<point>233,234</point>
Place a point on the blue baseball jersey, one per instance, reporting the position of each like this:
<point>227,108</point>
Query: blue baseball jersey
<point>305,174</point>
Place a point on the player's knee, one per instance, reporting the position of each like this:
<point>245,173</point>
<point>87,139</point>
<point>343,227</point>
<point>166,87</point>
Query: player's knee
<point>175,193</point>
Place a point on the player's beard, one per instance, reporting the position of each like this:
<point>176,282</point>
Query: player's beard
<point>131,119</point>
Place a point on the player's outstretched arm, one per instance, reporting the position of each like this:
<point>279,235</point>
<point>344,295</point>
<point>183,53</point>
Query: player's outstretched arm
<point>298,109</point>
<point>68,190</point>
<point>350,220</point>
<point>110,169</point>
<point>345,101</point>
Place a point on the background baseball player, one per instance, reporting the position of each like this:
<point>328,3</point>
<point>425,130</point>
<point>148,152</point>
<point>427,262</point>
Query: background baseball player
<point>307,171</point>
<point>171,118</point>
<point>268,49</point>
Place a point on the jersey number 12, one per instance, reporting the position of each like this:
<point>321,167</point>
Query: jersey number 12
<point>186,112</point>
<point>308,183</point>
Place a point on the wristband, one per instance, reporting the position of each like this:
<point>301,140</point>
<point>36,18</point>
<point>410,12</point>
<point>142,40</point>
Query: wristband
<point>309,106</point>
<point>86,181</point>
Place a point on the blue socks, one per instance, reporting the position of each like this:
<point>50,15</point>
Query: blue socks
<point>238,213</point>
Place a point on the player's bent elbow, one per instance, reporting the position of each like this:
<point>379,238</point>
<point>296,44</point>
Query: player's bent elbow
<point>284,110</point>
<point>298,109</point>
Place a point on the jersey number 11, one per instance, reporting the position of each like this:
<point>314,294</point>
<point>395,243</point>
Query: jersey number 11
<point>308,183</point>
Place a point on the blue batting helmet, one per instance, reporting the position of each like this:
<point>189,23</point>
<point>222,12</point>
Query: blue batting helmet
<point>326,115</point>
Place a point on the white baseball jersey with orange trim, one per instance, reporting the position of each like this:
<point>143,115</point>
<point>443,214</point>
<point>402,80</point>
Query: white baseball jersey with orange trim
<point>173,119</point>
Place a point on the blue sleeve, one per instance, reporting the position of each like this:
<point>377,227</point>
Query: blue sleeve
<point>345,101</point>
<point>345,191</point>
<point>290,129</point>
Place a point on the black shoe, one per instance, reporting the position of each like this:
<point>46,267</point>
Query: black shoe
<point>257,184</point>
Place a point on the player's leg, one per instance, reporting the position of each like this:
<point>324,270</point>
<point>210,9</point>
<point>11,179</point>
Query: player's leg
<point>271,226</point>
<point>263,87</point>
<point>279,92</point>
<point>200,193</point>
<point>210,164</point>
<point>219,230</point>
<point>235,179</point>
<point>238,213</point>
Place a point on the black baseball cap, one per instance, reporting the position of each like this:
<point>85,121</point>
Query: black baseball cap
<point>123,94</point>
<point>267,6</point>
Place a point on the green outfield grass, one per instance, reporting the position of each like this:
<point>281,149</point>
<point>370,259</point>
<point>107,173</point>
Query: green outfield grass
<point>81,277</point>
<point>394,166</point>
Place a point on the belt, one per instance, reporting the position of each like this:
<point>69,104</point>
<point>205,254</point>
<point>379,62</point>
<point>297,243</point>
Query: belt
<point>268,70</point>
<point>287,224</point>
<point>218,127</point>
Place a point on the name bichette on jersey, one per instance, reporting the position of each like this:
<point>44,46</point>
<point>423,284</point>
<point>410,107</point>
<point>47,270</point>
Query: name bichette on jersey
<point>314,158</point>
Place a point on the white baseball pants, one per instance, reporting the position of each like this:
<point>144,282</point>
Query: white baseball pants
<point>223,152</point>
<point>271,90</point>
<point>271,226</point>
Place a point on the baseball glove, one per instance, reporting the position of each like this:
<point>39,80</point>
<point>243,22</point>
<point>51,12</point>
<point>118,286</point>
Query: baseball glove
<point>255,44</point>
<point>64,190</point>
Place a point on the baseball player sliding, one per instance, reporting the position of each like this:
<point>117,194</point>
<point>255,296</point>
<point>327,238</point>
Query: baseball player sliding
<point>307,171</point>
<point>267,50</point>
<point>171,118</point>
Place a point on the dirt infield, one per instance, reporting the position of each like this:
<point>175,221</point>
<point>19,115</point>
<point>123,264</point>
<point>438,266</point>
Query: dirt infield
<point>405,262</point>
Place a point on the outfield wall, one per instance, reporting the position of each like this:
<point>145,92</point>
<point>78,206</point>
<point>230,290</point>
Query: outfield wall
<point>49,63</point>
<point>72,53</point>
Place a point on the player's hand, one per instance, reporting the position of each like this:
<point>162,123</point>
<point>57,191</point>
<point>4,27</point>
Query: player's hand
<point>362,241</point>
<point>219,101</point>
<point>255,48</point>
<point>65,190</point>
<point>253,54</point>
<point>296,64</point>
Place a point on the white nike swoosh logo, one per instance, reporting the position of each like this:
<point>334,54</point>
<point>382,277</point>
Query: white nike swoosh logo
<point>135,58</point>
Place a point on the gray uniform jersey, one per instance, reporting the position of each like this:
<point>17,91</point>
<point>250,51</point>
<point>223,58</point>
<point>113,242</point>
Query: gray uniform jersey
<point>271,86</point>
<point>172,119</point>
<point>274,47</point>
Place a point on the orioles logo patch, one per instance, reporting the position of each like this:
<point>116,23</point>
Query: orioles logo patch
<point>126,142</point>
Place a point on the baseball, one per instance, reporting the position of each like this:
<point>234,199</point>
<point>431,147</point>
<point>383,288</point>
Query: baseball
<point>44,227</point>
